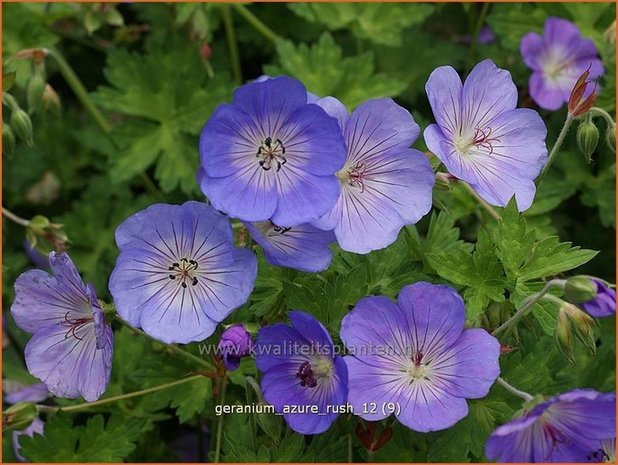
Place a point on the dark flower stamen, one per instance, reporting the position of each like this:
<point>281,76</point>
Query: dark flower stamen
<point>271,152</point>
<point>482,138</point>
<point>184,271</point>
<point>73,325</point>
<point>306,375</point>
<point>355,176</point>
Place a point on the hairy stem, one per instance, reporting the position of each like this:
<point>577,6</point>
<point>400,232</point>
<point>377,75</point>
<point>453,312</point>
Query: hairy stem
<point>527,304</point>
<point>171,347</point>
<point>109,400</point>
<point>488,208</point>
<point>516,392</point>
<point>254,21</point>
<point>554,151</point>
<point>222,389</point>
<point>14,218</point>
<point>232,43</point>
<point>608,118</point>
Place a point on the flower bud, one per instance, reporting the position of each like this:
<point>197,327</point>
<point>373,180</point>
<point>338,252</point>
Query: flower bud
<point>19,416</point>
<point>564,337</point>
<point>587,138</point>
<point>443,181</point>
<point>21,124</point>
<point>8,140</point>
<point>580,289</point>
<point>581,324</point>
<point>34,91</point>
<point>51,100</point>
<point>234,344</point>
<point>610,138</point>
<point>577,104</point>
<point>40,226</point>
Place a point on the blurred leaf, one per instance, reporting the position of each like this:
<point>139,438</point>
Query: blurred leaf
<point>511,21</point>
<point>381,23</point>
<point>97,441</point>
<point>325,71</point>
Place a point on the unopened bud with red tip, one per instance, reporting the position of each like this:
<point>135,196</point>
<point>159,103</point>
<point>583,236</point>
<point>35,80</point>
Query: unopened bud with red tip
<point>34,91</point>
<point>563,336</point>
<point>51,100</point>
<point>35,54</point>
<point>205,51</point>
<point>443,180</point>
<point>581,324</point>
<point>19,416</point>
<point>579,103</point>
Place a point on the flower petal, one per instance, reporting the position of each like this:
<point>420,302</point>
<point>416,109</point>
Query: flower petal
<point>303,197</point>
<point>69,362</point>
<point>435,314</point>
<point>470,366</point>
<point>425,407</point>
<point>336,109</point>
<point>530,47</point>
<point>487,92</point>
<point>444,92</point>
<point>303,247</point>
<point>311,329</point>
<point>546,93</point>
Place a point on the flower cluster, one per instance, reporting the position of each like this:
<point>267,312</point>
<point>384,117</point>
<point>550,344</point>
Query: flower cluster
<point>302,172</point>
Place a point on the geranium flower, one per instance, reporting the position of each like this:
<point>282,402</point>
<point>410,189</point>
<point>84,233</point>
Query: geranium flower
<point>234,344</point>
<point>178,273</point>
<point>33,393</point>
<point>482,138</point>
<point>71,349</point>
<point>557,59</point>
<point>384,183</point>
<point>604,304</point>
<point>565,428</point>
<point>414,359</point>
<point>271,155</point>
<point>300,371</point>
<point>303,247</point>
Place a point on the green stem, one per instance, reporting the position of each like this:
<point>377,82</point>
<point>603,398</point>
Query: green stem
<point>475,37</point>
<point>14,218</point>
<point>222,390</point>
<point>608,118</point>
<point>254,21</point>
<point>488,208</point>
<point>84,98</point>
<point>109,400</point>
<point>513,390</point>
<point>79,90</point>
<point>528,303</point>
<point>232,43</point>
<point>172,348</point>
<point>554,151</point>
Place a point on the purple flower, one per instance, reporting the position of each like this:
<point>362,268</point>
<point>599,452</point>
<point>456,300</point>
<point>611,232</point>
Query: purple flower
<point>178,273</point>
<point>565,428</point>
<point>604,304</point>
<point>606,451</point>
<point>36,427</point>
<point>384,183</point>
<point>303,247</point>
<point>415,355</point>
<point>486,36</point>
<point>71,349</point>
<point>481,137</point>
<point>300,370</point>
<point>271,155</point>
<point>234,344</point>
<point>32,393</point>
<point>557,59</point>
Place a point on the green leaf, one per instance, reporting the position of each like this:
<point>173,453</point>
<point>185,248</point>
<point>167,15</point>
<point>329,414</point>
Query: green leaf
<point>511,21</point>
<point>381,23</point>
<point>469,435</point>
<point>442,236</point>
<point>550,257</point>
<point>325,71</point>
<point>481,273</point>
<point>172,103</point>
<point>97,441</point>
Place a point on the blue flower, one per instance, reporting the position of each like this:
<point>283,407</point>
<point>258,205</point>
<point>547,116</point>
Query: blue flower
<point>71,349</point>
<point>234,344</point>
<point>303,247</point>
<point>271,155</point>
<point>300,371</point>
<point>178,273</point>
<point>384,183</point>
